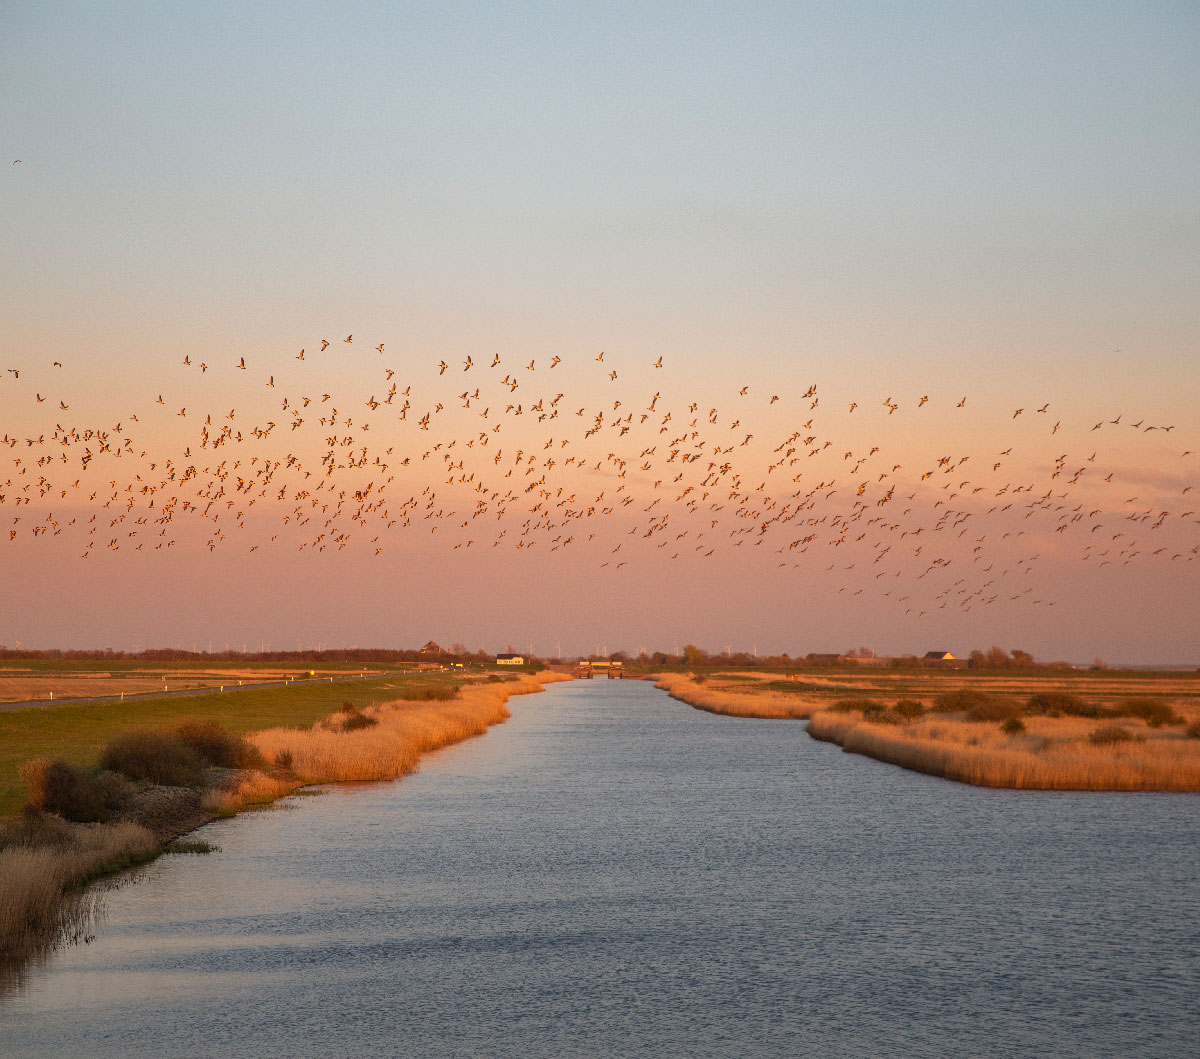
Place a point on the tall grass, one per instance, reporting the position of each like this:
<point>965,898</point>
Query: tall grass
<point>764,703</point>
<point>403,731</point>
<point>44,868</point>
<point>1051,754</point>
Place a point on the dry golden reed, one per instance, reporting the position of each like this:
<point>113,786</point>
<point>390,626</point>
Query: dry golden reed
<point>391,748</point>
<point>41,893</point>
<point>736,703</point>
<point>1051,754</point>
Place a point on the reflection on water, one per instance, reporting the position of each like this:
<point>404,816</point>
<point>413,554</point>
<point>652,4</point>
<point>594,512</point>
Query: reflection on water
<point>612,873</point>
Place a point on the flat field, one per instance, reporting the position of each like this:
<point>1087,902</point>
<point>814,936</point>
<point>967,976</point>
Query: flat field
<point>45,680</point>
<point>77,732</point>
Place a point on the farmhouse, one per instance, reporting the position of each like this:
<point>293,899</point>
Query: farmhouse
<point>510,660</point>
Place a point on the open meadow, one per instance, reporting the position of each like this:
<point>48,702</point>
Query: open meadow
<point>77,731</point>
<point>46,680</point>
<point>1029,729</point>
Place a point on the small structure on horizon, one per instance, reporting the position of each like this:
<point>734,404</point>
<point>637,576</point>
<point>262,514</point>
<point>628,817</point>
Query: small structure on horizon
<point>510,660</point>
<point>938,656</point>
<point>432,648</point>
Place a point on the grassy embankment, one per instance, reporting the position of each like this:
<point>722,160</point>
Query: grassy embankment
<point>293,737</point>
<point>1041,731</point>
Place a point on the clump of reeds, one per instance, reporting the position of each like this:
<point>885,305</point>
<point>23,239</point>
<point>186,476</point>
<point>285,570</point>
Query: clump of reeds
<point>749,703</point>
<point>44,866</point>
<point>248,789</point>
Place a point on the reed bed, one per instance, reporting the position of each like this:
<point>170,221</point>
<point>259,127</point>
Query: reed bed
<point>734,702</point>
<point>1051,754</point>
<point>405,730</point>
<point>43,872</point>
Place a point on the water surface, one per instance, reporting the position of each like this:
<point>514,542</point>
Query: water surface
<point>614,873</point>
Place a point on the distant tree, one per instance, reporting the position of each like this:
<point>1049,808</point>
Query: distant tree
<point>694,656</point>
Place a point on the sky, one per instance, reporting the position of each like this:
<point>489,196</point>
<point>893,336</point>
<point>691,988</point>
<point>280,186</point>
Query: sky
<point>990,207</point>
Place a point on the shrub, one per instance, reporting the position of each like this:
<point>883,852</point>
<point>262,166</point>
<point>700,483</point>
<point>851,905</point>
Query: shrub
<point>1153,711</point>
<point>867,707</point>
<point>154,757</point>
<point>74,793</point>
<point>996,708</point>
<point>1193,730</point>
<point>1054,703</point>
<point>358,720</point>
<point>349,707</point>
<point>284,759</point>
<point>1110,735</point>
<point>1013,726</point>
<point>217,746</point>
<point>699,678</point>
<point>909,708</point>
<point>961,700</point>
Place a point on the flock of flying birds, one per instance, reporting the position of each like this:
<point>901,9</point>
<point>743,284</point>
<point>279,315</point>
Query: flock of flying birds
<point>483,454</point>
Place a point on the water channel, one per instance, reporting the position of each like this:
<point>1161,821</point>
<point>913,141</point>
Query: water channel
<point>613,873</point>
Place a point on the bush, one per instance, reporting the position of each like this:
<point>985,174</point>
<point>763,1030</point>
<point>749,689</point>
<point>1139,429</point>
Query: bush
<point>1013,726</point>
<point>869,708</point>
<point>909,708</point>
<point>358,720</point>
<point>996,708</point>
<point>1054,703</point>
<point>217,746</point>
<point>284,759</point>
<point>349,707</point>
<point>961,700</point>
<point>74,793</point>
<point>1110,735</point>
<point>1153,711</point>
<point>154,757</point>
<point>1193,730</point>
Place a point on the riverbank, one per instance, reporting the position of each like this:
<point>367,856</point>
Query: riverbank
<point>754,699</point>
<point>1054,740</point>
<point>47,863</point>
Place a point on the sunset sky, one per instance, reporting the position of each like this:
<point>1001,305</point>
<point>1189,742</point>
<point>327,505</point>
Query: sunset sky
<point>993,207</point>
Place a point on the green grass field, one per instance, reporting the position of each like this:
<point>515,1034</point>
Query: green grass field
<point>78,732</point>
